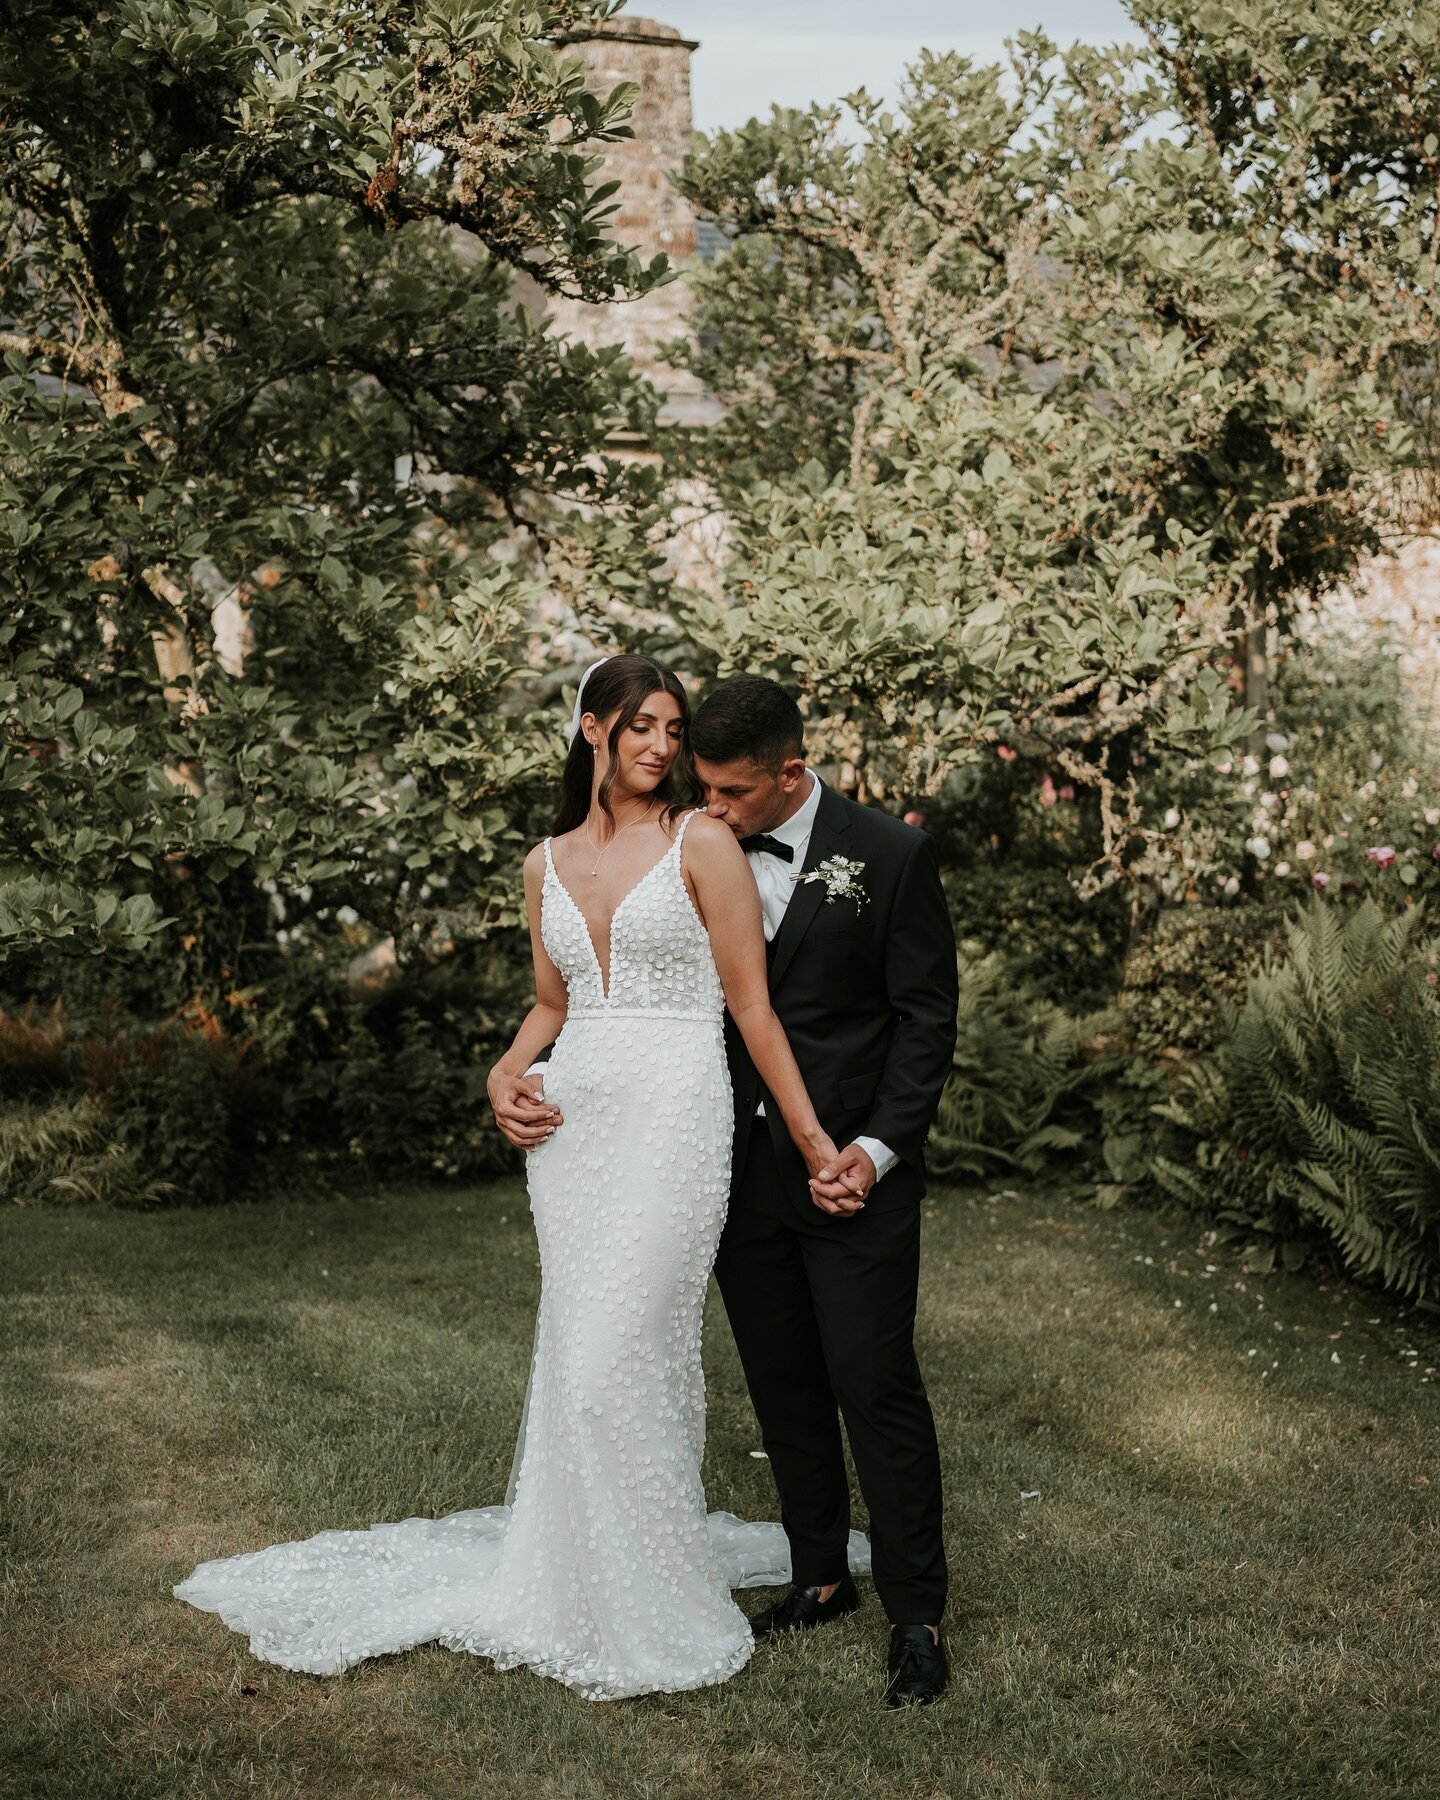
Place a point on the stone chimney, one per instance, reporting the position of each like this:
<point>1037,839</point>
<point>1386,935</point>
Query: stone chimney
<point>652,216</point>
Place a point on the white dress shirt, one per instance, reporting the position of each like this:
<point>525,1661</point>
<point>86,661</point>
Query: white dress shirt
<point>775,879</point>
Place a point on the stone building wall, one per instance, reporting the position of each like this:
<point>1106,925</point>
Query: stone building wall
<point>653,219</point>
<point>652,216</point>
<point>1401,593</point>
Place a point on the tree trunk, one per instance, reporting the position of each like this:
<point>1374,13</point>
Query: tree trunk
<point>1257,674</point>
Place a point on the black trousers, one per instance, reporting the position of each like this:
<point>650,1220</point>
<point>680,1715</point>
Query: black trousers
<point>823,1312</point>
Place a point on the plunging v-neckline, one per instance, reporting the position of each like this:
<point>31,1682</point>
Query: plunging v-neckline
<point>605,970</point>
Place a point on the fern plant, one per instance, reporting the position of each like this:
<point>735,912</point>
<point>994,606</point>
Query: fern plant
<point>64,1147</point>
<point>1318,1118</point>
<point>1022,1071</point>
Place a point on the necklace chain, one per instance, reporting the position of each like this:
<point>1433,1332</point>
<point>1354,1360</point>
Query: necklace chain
<point>595,866</point>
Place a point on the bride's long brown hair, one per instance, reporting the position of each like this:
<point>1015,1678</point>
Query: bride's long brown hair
<point>621,686</point>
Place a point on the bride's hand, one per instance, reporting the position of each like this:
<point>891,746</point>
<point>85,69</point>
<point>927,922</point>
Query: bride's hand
<point>819,1151</point>
<point>521,1111</point>
<point>845,1186</point>
<point>821,1156</point>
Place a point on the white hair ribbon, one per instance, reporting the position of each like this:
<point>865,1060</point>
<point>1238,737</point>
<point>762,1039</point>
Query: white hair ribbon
<point>573,727</point>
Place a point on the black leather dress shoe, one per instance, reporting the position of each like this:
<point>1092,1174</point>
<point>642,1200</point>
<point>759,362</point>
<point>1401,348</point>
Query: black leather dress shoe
<point>802,1609</point>
<point>917,1671</point>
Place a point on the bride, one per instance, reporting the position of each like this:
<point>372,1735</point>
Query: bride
<point>602,1570</point>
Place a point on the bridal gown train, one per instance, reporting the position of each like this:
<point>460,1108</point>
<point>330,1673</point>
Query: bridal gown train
<point>603,1570</point>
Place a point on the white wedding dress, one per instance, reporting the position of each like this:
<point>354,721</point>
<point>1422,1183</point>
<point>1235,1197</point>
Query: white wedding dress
<point>602,1569</point>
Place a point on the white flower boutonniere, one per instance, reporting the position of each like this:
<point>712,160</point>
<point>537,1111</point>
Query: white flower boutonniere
<point>841,876</point>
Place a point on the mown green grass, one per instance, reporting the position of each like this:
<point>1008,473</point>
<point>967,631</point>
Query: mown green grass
<point>1227,1585</point>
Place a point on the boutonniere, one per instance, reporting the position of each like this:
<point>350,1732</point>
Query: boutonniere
<point>841,876</point>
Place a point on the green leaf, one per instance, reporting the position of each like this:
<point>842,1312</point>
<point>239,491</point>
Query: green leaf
<point>996,467</point>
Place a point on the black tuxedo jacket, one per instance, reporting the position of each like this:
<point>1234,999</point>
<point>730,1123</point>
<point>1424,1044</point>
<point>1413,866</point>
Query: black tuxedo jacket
<point>867,993</point>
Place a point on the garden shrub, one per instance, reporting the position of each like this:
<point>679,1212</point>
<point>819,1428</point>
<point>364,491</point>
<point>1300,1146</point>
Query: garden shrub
<point>322,1090</point>
<point>64,1148</point>
<point>32,1049</point>
<point>1341,797</point>
<point>1317,1120</point>
<point>1182,973</point>
<point>182,1098</point>
<point>1011,833</point>
<point>1059,947</point>
<point>1024,1073</point>
<point>121,1111</point>
<point>396,1084</point>
<point>1183,980</point>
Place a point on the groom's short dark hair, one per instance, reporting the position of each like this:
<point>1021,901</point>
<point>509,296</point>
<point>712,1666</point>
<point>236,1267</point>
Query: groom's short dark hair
<point>748,716</point>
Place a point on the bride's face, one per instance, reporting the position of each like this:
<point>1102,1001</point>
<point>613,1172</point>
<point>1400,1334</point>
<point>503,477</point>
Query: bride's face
<point>648,745</point>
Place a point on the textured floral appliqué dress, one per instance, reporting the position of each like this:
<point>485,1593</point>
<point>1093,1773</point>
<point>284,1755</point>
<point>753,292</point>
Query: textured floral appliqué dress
<point>604,1571</point>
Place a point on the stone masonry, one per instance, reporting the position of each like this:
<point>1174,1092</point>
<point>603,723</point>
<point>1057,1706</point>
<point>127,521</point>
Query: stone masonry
<point>652,217</point>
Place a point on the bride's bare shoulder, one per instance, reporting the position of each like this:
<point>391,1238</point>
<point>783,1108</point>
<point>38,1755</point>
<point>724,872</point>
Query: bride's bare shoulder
<point>536,858</point>
<point>709,838</point>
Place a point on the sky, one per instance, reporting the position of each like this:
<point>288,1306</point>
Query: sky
<point>789,52</point>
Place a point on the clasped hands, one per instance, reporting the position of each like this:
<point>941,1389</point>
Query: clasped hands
<point>840,1180</point>
<point>525,1117</point>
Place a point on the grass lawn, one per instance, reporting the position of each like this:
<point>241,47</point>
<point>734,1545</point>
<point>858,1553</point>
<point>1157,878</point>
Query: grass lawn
<point>1192,1517</point>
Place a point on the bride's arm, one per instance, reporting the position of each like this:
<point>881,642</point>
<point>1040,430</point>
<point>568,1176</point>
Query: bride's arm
<point>520,1112</point>
<point>729,904</point>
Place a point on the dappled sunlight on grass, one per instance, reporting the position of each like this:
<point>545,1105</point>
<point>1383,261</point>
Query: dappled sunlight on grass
<point>1176,1567</point>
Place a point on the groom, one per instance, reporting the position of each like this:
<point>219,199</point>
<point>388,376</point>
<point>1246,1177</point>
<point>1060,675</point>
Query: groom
<point>820,1283</point>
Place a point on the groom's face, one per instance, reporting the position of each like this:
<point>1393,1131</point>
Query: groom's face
<point>748,797</point>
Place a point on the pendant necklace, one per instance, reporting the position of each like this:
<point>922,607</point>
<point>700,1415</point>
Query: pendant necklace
<point>595,867</point>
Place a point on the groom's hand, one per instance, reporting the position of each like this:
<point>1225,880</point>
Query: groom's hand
<point>841,1188</point>
<point>521,1111</point>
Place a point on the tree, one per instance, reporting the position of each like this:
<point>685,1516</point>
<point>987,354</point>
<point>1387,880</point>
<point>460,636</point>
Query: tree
<point>1314,134</point>
<point>1034,407</point>
<point>283,455</point>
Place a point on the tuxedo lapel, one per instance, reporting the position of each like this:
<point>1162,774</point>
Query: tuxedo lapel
<point>831,822</point>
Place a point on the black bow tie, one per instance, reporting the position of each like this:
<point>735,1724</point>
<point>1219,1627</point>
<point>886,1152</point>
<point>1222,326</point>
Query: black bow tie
<point>786,852</point>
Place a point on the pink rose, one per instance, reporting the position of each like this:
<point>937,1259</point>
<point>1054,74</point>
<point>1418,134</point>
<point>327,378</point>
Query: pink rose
<point>1067,792</point>
<point>1320,880</point>
<point>917,819</point>
<point>1382,855</point>
<point>1005,753</point>
<point>1048,796</point>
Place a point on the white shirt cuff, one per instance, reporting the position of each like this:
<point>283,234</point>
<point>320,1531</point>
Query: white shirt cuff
<point>883,1157</point>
